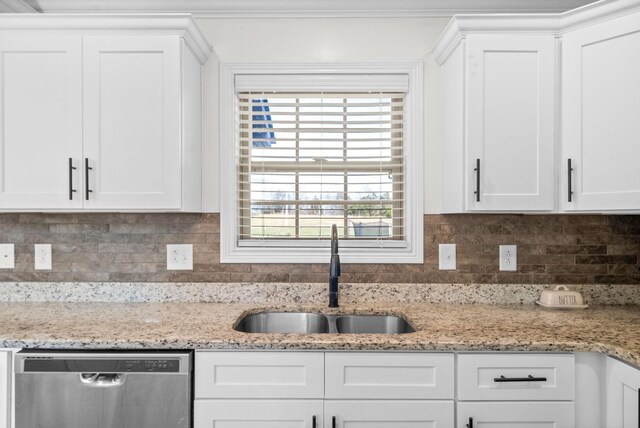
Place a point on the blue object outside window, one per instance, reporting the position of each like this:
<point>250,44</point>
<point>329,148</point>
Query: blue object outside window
<point>267,137</point>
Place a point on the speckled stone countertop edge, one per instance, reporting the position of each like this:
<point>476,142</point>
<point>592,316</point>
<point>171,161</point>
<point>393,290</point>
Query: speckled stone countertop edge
<point>611,330</point>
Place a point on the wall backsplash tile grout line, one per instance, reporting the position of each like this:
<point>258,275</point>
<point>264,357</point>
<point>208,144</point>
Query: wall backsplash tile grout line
<point>125,247</point>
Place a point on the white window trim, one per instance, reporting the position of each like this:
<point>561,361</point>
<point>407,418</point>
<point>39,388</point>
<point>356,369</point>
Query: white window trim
<point>300,252</point>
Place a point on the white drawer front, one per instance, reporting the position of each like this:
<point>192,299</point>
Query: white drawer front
<point>487,377</point>
<point>259,375</point>
<point>389,414</point>
<point>389,375</point>
<point>257,413</point>
<point>520,415</point>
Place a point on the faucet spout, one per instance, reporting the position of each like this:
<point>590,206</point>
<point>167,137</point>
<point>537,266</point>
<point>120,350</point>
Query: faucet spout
<point>334,268</point>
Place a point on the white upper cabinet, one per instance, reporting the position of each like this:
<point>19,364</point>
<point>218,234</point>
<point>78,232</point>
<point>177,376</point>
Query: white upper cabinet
<point>40,121</point>
<point>132,122</point>
<point>601,116</point>
<point>106,121</point>
<point>498,120</point>
<point>511,83</point>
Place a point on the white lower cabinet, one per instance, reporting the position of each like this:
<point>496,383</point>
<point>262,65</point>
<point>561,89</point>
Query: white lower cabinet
<point>258,413</point>
<point>330,390</point>
<point>294,375</point>
<point>5,387</point>
<point>516,390</point>
<point>623,395</point>
<point>516,415</point>
<point>388,414</point>
<point>388,375</point>
<point>283,389</point>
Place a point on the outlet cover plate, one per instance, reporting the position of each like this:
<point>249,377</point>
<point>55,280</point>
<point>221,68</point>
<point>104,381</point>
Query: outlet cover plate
<point>508,257</point>
<point>7,256</point>
<point>179,257</point>
<point>447,256</point>
<point>42,256</point>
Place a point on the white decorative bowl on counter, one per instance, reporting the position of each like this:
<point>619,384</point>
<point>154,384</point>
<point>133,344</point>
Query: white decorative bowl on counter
<point>561,298</point>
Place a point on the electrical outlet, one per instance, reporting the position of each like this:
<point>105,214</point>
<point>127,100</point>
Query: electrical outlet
<point>7,256</point>
<point>447,256</point>
<point>508,257</point>
<point>179,257</point>
<point>42,253</point>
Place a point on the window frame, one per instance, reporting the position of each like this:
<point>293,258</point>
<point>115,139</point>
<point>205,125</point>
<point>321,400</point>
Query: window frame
<point>409,250</point>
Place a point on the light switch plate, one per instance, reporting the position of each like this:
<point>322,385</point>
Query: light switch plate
<point>508,257</point>
<point>42,256</point>
<point>179,257</point>
<point>7,256</point>
<point>447,256</point>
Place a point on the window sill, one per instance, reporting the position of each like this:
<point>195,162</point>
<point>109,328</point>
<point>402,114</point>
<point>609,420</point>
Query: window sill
<point>282,254</point>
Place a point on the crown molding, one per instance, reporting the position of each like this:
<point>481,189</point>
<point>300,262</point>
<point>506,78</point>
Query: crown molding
<point>597,11</point>
<point>308,8</point>
<point>554,23</point>
<point>15,6</point>
<point>172,24</point>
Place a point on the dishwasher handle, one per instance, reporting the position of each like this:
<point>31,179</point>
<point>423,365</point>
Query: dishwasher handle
<point>102,380</point>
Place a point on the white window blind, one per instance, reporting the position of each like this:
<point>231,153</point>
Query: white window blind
<point>307,160</point>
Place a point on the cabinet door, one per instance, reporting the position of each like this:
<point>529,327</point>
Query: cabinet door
<point>132,122</point>
<point>40,122</point>
<point>510,123</point>
<point>516,415</point>
<point>5,387</point>
<point>257,414</point>
<point>623,395</point>
<point>600,106</point>
<point>388,414</point>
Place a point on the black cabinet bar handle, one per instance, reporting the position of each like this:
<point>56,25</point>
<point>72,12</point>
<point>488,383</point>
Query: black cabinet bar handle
<point>470,424</point>
<point>87,168</point>
<point>313,421</point>
<point>333,422</point>
<point>71,189</point>
<point>569,175</point>
<point>477,170</point>
<point>520,379</point>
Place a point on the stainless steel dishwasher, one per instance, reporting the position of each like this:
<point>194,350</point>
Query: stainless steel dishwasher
<point>58,389</point>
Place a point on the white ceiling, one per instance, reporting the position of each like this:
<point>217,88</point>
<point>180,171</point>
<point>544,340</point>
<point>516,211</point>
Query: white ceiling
<point>295,8</point>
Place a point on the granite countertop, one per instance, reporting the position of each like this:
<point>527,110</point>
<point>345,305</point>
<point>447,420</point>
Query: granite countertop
<point>611,330</point>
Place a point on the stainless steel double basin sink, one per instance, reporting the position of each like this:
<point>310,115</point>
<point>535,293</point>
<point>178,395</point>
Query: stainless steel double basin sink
<point>313,323</point>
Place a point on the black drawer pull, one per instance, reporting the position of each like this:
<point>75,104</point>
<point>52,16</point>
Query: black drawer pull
<point>313,423</point>
<point>569,174</point>
<point>87,168</point>
<point>470,424</point>
<point>333,422</point>
<point>71,189</point>
<point>520,379</point>
<point>477,170</point>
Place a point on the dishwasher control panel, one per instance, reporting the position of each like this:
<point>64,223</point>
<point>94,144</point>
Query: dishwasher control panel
<point>156,366</point>
<point>99,364</point>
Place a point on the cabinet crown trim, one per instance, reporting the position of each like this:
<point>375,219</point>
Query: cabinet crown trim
<point>306,8</point>
<point>555,23</point>
<point>179,24</point>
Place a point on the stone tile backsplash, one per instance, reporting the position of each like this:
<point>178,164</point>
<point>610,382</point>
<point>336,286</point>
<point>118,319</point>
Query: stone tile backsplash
<point>552,249</point>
